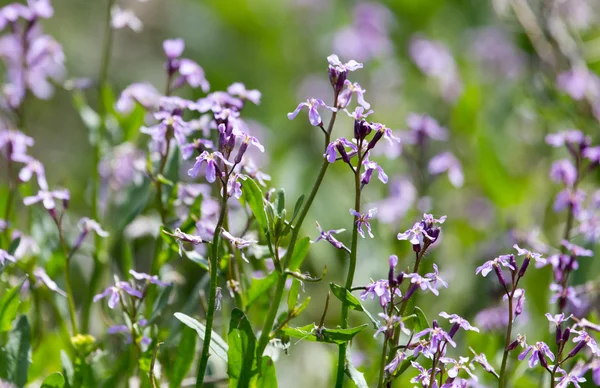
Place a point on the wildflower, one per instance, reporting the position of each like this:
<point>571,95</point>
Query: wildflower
<point>239,90</point>
<point>584,339</point>
<point>370,167</point>
<point>339,147</point>
<point>313,114</point>
<point>423,127</point>
<point>42,277</point>
<point>488,266</point>
<point>540,261</point>
<point>362,220</point>
<point>414,235</point>
<point>87,224</point>
<point>434,278</point>
<point>423,376</point>
<point>395,363</point>
<point>114,293</point>
<point>193,75</point>
<point>328,236</point>
<point>212,169</point>
<point>541,351</point>
<point>359,114</point>
<point>562,295</point>
<point>563,171</point>
<point>576,250</point>
<point>15,144</point>
<point>574,82</point>
<point>461,364</point>
<point>5,256</point>
<point>437,336</point>
<point>558,319</point>
<point>339,67</point>
<point>121,18</point>
<point>182,237</point>
<point>563,382</point>
<point>48,198</point>
<point>569,197</point>
<point>346,95</point>
<point>481,359</point>
<point>32,167</point>
<point>382,131</point>
<point>446,161</point>
<point>458,322</point>
<point>246,140</point>
<point>237,242</point>
<point>569,137</point>
<point>234,187</point>
<point>173,48</point>
<point>381,289</point>
<point>390,324</point>
<point>150,279</point>
<point>142,93</point>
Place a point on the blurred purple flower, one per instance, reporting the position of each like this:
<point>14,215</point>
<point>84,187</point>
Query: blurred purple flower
<point>42,277</point>
<point>569,137</point>
<point>423,127</point>
<point>114,293</point>
<point>173,48</point>
<point>496,53</point>
<point>14,144</point>
<point>563,171</point>
<point>150,279</point>
<point>48,198</point>
<point>567,294</point>
<point>142,93</point>
<point>5,256</point>
<point>446,161</point>
<point>121,18</point>
<point>239,90</point>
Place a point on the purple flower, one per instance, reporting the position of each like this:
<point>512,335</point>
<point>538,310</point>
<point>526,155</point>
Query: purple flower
<point>481,359</point>
<point>32,167</point>
<point>563,382</point>
<point>362,220</point>
<point>414,235</point>
<point>42,277</point>
<point>142,93</point>
<point>574,82</point>
<point>121,18</point>
<point>382,131</point>
<point>328,236</point>
<point>569,137</point>
<point>423,127</point>
<point>434,278</point>
<point>424,283</point>
<point>237,242</point>
<point>489,265</point>
<point>4,256</point>
<point>459,321</point>
<point>234,187</point>
<point>381,289</point>
<point>389,324</point>
<point>584,338</point>
<point>313,114</point>
<point>338,66</point>
<point>530,255</point>
<point>212,169</point>
<point>558,319</point>
<point>563,171</point>
<point>339,147</point>
<point>446,161</point>
<point>346,95</point>
<point>359,113</point>
<point>193,74</point>
<point>114,293</point>
<point>576,250</point>
<point>87,224</point>
<point>565,294</point>
<point>47,197</point>
<point>541,351</point>
<point>423,376</point>
<point>568,197</point>
<point>239,90</point>
<point>173,48</point>
<point>461,364</point>
<point>15,144</point>
<point>437,337</point>
<point>150,279</point>
<point>371,167</point>
<point>395,363</point>
<point>182,237</point>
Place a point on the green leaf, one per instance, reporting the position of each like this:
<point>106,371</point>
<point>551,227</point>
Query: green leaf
<point>313,334</point>
<point>355,375</point>
<point>267,377</point>
<point>280,202</point>
<point>297,310</point>
<point>260,286</point>
<point>55,380</point>
<point>161,303</point>
<point>90,118</point>
<point>68,369</point>
<point>15,356</point>
<point>421,322</point>
<point>297,207</point>
<point>9,306</point>
<point>217,344</point>
<point>300,252</point>
<point>346,296</point>
<point>185,357</point>
<point>254,197</point>
<point>293,294</point>
<point>242,343</point>
<point>14,244</point>
<point>162,179</point>
<point>197,258</point>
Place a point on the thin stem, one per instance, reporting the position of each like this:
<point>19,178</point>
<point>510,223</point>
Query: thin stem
<point>382,362</point>
<point>502,380</point>
<point>70,298</point>
<point>350,276</point>
<point>212,296</point>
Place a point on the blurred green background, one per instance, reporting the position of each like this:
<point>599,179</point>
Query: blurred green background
<point>496,126</point>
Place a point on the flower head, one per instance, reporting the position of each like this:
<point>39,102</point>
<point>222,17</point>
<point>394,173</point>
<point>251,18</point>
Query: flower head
<point>488,266</point>
<point>313,114</point>
<point>541,351</point>
<point>328,236</point>
<point>371,167</point>
<point>212,169</point>
<point>447,162</point>
<point>148,278</point>
<point>48,198</point>
<point>362,220</point>
<point>114,293</point>
<point>238,89</point>
<point>5,256</point>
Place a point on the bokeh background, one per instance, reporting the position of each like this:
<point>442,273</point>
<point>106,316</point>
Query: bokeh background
<point>495,97</point>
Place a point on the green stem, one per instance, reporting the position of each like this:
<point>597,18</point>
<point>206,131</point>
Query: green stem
<point>350,276</point>
<point>70,298</point>
<point>212,296</point>
<point>502,380</point>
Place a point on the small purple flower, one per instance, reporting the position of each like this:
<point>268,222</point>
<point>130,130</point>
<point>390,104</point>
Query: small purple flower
<point>461,364</point>
<point>48,198</point>
<point>423,376</point>
<point>234,186</point>
<point>457,320</point>
<point>239,90</point>
<point>87,224</point>
<point>566,294</point>
<point>569,137</point>
<point>362,220</point>
<point>568,197</point>
<point>588,341</point>
<point>339,147</point>
<point>423,127</point>
<point>211,165</point>
<point>576,250</point>
<point>114,293</point>
<point>142,93</point>
<point>563,171</point>
<point>381,289</point>
<point>237,242</point>
<point>5,256</point>
<point>346,95</point>
<point>434,278</point>
<point>382,131</point>
<point>359,113</point>
<point>337,65</point>
<point>389,324</point>
<point>173,48</point>
<point>121,18</point>
<point>447,162</point>
<point>33,167</point>
<point>563,382</point>
<point>193,74</point>
<point>15,144</point>
<point>395,363</point>
<point>414,235</point>
<point>418,281</point>
<point>371,167</point>
<point>574,82</point>
<point>541,351</point>
<point>150,279</point>
<point>313,114</point>
<point>328,236</point>
<point>482,360</point>
<point>437,337</point>
<point>182,237</point>
<point>530,255</point>
<point>558,319</point>
<point>42,277</point>
<point>488,266</point>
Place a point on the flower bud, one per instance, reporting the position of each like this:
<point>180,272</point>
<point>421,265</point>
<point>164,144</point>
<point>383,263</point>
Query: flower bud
<point>378,135</point>
<point>400,278</point>
<point>342,152</point>
<point>361,129</point>
<point>500,276</point>
<point>524,266</point>
<point>337,79</point>
<point>512,261</point>
<point>576,349</point>
<point>411,290</point>
<point>566,334</point>
<point>513,345</point>
<point>542,360</point>
<point>241,152</point>
<point>558,335</point>
<point>453,330</point>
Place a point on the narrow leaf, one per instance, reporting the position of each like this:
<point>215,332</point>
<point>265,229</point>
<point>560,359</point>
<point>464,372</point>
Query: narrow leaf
<point>242,343</point>
<point>184,357</point>
<point>217,344</point>
<point>346,296</point>
<point>355,375</point>
<point>55,380</point>
<point>421,322</point>
<point>313,334</point>
<point>9,306</point>
<point>254,198</point>
<point>300,252</point>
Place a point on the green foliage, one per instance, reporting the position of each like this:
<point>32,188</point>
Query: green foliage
<point>242,343</point>
<point>9,306</point>
<point>55,380</point>
<point>183,358</point>
<point>217,345</point>
<point>315,334</point>
<point>353,303</point>
<point>15,356</point>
